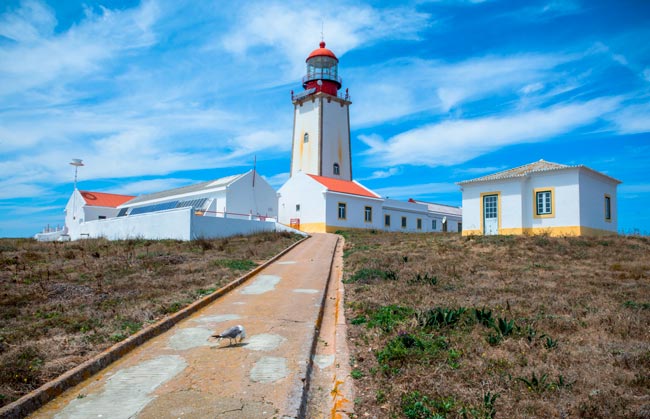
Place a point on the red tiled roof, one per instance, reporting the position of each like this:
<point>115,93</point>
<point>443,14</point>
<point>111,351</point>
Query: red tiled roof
<point>101,199</point>
<point>344,186</point>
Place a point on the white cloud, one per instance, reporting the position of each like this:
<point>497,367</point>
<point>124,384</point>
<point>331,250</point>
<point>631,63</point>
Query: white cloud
<point>418,190</point>
<point>457,141</point>
<point>277,180</point>
<point>633,119</point>
<point>293,30</point>
<point>410,86</point>
<point>151,185</point>
<point>382,174</point>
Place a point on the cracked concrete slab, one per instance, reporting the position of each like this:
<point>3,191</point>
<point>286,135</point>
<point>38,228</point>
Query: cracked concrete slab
<point>126,392</point>
<point>261,285</point>
<point>267,371</point>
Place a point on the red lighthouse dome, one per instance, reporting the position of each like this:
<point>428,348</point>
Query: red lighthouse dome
<point>322,71</point>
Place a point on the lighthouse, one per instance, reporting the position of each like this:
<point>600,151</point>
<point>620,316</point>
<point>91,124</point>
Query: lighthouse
<point>321,120</point>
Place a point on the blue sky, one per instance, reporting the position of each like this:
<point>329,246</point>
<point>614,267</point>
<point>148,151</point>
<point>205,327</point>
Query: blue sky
<point>156,94</point>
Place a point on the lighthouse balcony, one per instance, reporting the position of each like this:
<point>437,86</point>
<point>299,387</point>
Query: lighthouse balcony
<point>321,75</point>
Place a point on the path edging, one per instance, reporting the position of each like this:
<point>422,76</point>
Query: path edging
<point>48,391</point>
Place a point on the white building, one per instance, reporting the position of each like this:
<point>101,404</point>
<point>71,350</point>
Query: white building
<point>239,204</point>
<point>541,198</point>
<point>321,194</point>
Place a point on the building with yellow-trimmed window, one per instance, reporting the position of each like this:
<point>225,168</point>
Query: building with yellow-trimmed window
<point>541,198</point>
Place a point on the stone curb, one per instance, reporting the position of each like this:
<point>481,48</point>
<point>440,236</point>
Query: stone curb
<point>302,411</point>
<point>48,391</point>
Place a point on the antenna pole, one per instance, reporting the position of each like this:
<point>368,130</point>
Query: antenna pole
<point>254,166</point>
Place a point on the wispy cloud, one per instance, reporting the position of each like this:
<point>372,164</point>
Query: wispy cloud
<point>458,141</point>
<point>382,174</point>
<point>277,180</point>
<point>417,190</point>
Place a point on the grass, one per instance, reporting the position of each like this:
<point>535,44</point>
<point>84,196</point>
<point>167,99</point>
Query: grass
<point>526,327</point>
<point>62,303</point>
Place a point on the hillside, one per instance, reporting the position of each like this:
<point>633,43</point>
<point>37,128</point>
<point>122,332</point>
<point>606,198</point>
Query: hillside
<point>62,303</point>
<point>443,326</point>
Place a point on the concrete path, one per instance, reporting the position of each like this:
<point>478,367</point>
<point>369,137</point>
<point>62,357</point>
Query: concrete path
<point>183,373</point>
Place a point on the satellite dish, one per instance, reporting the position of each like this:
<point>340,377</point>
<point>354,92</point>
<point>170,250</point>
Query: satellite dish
<point>319,82</point>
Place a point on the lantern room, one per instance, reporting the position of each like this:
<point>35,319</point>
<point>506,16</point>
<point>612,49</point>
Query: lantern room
<point>322,71</point>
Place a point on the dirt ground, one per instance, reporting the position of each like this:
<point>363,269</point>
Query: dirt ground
<point>63,303</point>
<point>443,326</point>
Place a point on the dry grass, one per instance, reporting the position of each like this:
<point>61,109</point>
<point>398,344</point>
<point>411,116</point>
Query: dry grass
<point>579,346</point>
<point>62,303</point>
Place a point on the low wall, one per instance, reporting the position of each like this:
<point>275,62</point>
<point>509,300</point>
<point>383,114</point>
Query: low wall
<point>172,224</point>
<point>215,227</point>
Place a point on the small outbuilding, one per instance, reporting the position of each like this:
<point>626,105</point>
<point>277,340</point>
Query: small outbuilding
<point>540,198</point>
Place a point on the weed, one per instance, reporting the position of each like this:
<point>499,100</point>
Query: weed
<point>406,346</point>
<point>494,338</point>
<point>368,275</point>
<point>636,306</point>
<point>530,333</point>
<point>550,343</point>
<point>537,384</point>
<point>356,374</point>
<point>359,320</point>
<point>453,355</point>
<point>417,406</point>
<point>424,279</point>
<point>380,396</point>
<point>505,327</point>
<point>487,410</point>
<point>387,317</point>
<point>236,264</point>
<point>484,316</point>
<point>440,317</point>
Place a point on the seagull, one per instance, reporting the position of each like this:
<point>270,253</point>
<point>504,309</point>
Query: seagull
<point>232,333</point>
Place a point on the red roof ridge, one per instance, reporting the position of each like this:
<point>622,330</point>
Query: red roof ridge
<point>104,199</point>
<point>350,187</point>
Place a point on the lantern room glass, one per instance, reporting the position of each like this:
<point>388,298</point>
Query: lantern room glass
<point>322,68</point>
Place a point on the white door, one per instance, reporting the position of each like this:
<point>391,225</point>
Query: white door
<point>490,215</point>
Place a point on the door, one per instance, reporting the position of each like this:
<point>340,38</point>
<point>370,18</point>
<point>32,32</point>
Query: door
<point>490,215</point>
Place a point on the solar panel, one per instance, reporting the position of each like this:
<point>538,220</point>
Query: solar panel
<point>194,203</point>
<point>153,208</point>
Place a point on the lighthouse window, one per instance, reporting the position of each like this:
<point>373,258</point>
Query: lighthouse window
<point>337,169</point>
<point>306,138</point>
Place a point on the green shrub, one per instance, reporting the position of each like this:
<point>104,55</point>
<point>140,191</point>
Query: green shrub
<point>387,317</point>
<point>484,316</point>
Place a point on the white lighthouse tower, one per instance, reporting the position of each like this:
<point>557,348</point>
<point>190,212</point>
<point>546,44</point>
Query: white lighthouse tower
<point>321,127</point>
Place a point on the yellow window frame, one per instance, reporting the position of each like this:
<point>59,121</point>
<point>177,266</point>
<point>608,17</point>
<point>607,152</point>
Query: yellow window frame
<point>552,213</point>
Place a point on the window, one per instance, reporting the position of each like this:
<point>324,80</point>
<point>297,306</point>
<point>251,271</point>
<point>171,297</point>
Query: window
<point>297,207</point>
<point>101,217</point>
<point>367,214</point>
<point>387,220</point>
<point>419,223</point>
<point>543,202</point>
<point>403,222</point>
<point>305,138</point>
<point>337,169</point>
<point>608,208</point>
<point>342,210</point>
<point>460,227</point>
<point>434,225</point>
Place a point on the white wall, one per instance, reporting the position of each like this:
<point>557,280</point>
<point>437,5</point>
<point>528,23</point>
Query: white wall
<point>355,207</point>
<point>301,190</point>
<point>243,198</point>
<point>336,139</point>
<point>412,211</point>
<point>566,194</point>
<point>172,224</point>
<point>214,227</point>
<point>592,198</point>
<point>306,120</point>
